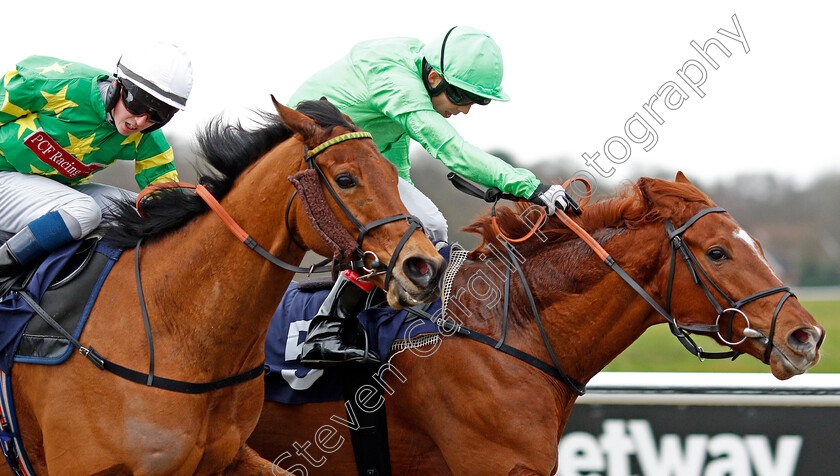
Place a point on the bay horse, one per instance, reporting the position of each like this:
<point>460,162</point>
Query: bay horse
<point>464,408</point>
<point>210,299</point>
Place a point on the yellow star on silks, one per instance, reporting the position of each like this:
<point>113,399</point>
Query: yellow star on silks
<point>27,122</point>
<point>54,67</point>
<point>37,171</point>
<point>8,77</point>
<point>11,109</point>
<point>133,138</point>
<point>80,147</point>
<point>57,102</point>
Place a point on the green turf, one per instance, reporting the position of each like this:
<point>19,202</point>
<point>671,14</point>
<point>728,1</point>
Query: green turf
<point>659,351</point>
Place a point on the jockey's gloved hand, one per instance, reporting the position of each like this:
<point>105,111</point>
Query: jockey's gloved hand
<point>551,197</point>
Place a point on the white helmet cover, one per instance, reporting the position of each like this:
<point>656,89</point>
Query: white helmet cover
<point>162,69</point>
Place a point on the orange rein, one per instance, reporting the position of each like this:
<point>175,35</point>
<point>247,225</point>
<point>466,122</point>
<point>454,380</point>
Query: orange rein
<point>202,192</point>
<point>579,231</point>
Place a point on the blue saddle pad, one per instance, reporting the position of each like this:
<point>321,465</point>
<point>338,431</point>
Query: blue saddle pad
<point>287,381</point>
<point>15,313</point>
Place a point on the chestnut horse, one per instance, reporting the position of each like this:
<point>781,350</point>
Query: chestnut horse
<point>465,408</point>
<point>210,299</point>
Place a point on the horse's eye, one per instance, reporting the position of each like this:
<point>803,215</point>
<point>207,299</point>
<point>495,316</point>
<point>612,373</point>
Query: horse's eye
<point>717,254</point>
<point>345,180</point>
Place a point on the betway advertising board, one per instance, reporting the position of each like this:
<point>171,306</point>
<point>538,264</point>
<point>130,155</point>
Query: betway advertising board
<point>708,424</point>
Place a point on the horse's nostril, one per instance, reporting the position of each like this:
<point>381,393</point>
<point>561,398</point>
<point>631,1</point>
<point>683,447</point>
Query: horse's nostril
<point>422,267</point>
<point>801,336</point>
<point>419,271</point>
<point>804,338</point>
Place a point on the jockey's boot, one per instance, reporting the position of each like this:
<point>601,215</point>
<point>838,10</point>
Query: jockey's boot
<point>10,268</point>
<point>41,236</point>
<point>335,335</point>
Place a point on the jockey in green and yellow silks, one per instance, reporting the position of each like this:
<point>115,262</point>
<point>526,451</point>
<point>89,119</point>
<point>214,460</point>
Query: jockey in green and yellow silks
<point>64,100</point>
<point>61,122</point>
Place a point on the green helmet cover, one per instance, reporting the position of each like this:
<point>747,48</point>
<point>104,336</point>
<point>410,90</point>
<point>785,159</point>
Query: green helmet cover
<point>471,61</point>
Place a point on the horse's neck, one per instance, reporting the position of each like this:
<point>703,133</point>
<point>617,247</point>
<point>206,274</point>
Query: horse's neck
<point>597,324</point>
<point>212,284</point>
<point>588,312</point>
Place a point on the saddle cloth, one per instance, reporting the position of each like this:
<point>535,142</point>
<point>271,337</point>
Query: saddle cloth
<point>66,285</point>
<point>287,381</point>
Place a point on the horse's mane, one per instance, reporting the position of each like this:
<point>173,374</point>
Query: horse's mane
<point>554,261</point>
<point>629,209</point>
<point>229,148</point>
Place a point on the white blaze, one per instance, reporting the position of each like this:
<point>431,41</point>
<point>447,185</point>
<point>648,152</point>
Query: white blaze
<point>746,238</point>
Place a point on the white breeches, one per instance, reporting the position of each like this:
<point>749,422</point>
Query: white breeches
<point>23,198</point>
<point>421,206</point>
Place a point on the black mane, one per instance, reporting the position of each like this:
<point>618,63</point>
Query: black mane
<point>229,149</point>
<point>326,115</point>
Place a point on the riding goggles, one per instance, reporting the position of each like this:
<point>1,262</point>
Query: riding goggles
<point>138,102</point>
<point>461,97</point>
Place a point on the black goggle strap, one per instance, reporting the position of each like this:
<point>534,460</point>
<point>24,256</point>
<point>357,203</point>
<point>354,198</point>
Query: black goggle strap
<point>433,91</point>
<point>437,90</point>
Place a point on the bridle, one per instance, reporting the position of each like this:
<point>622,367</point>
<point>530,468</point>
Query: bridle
<point>701,278</point>
<point>681,331</point>
<point>376,266</point>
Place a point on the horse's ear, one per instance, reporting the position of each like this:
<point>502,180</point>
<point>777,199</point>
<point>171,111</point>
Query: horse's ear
<point>681,178</point>
<point>651,193</point>
<point>309,130</point>
<point>644,184</point>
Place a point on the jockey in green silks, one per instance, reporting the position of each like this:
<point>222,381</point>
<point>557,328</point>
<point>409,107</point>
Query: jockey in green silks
<point>61,122</point>
<point>400,89</point>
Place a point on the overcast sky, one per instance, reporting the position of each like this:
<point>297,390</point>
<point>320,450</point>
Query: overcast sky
<point>576,71</point>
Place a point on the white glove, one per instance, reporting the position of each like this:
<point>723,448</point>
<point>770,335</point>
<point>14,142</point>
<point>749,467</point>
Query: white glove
<point>552,197</point>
